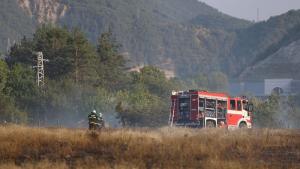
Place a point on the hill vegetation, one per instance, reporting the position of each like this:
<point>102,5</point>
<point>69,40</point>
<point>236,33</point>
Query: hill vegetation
<point>185,37</point>
<point>165,33</point>
<point>14,24</point>
<point>276,56</point>
<point>260,41</point>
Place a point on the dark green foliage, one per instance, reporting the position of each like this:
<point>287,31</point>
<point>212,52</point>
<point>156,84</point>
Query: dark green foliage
<point>146,104</point>
<point>21,88</point>
<point>22,53</point>
<point>72,65</point>
<point>141,108</point>
<point>154,81</point>
<point>69,53</point>
<point>111,63</point>
<point>83,59</point>
<point>55,43</point>
<point>3,74</point>
<point>21,82</point>
<point>8,110</point>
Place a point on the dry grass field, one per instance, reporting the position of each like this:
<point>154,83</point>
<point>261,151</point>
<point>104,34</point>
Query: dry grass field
<point>40,148</point>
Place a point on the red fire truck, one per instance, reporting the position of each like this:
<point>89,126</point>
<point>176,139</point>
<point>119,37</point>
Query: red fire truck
<point>201,109</point>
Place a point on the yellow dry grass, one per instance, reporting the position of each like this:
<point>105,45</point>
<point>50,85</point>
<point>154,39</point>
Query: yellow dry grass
<point>170,148</point>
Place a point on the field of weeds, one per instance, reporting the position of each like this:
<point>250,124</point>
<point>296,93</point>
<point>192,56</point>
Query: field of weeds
<point>25,147</point>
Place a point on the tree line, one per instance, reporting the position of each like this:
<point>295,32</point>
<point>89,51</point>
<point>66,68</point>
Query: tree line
<point>79,77</point>
<point>82,76</point>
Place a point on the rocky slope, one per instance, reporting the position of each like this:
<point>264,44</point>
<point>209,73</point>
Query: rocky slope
<point>43,10</point>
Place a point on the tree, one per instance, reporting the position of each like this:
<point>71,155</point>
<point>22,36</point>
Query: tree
<point>54,42</point>
<point>155,81</point>
<point>3,74</point>
<point>266,112</point>
<point>83,60</point>
<point>8,111</point>
<point>22,53</point>
<point>21,82</point>
<point>112,64</point>
<point>21,88</point>
<point>141,108</point>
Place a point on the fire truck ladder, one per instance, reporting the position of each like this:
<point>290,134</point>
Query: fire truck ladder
<point>172,114</point>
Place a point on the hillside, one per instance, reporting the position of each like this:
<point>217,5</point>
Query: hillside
<point>155,32</point>
<point>14,24</point>
<point>144,148</point>
<point>183,37</point>
<point>282,64</point>
<point>165,33</point>
<point>261,40</point>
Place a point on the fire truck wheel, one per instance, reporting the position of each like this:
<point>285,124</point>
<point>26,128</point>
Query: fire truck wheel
<point>243,125</point>
<point>210,124</point>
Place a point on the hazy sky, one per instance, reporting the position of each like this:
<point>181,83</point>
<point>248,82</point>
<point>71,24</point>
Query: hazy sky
<point>247,9</point>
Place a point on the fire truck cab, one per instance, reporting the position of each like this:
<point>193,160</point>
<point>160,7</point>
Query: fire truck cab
<point>201,109</point>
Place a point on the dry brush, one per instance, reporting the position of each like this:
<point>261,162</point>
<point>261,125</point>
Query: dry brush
<point>25,147</point>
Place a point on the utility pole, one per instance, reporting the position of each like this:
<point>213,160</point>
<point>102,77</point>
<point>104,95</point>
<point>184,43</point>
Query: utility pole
<point>40,75</point>
<point>258,17</point>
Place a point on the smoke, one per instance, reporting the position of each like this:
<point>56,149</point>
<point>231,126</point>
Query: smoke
<point>81,121</point>
<point>287,115</point>
<point>111,120</point>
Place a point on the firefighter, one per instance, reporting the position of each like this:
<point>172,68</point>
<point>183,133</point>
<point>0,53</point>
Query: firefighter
<point>101,120</point>
<point>100,115</point>
<point>93,120</point>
